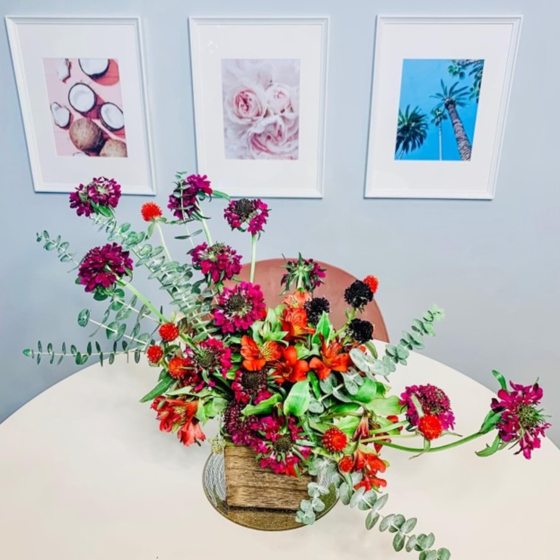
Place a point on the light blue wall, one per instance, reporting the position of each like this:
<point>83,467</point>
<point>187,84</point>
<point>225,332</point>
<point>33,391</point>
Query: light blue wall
<point>494,266</point>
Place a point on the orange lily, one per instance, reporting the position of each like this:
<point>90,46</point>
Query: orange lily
<point>294,322</point>
<point>256,357</point>
<point>332,359</point>
<point>290,368</point>
<point>297,299</point>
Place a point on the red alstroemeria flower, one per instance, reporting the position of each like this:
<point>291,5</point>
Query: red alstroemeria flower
<point>332,359</point>
<point>294,322</point>
<point>370,464</point>
<point>178,414</point>
<point>255,356</point>
<point>290,368</point>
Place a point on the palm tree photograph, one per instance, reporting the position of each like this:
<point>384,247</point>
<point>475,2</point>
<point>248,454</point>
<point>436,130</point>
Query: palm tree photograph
<point>438,108</point>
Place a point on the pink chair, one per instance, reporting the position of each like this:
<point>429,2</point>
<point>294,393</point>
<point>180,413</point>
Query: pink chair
<point>268,274</point>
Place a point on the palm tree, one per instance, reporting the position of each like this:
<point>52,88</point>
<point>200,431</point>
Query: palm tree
<point>438,116</point>
<point>475,68</point>
<point>450,99</point>
<point>412,129</point>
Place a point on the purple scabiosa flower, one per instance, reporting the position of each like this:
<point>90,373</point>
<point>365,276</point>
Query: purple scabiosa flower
<point>247,215</point>
<point>239,307</point>
<point>213,356</point>
<point>279,444</point>
<point>240,428</point>
<point>217,262</point>
<point>434,402</point>
<point>184,200</point>
<point>250,386</point>
<point>97,197</point>
<point>521,421</point>
<point>304,274</point>
<point>101,267</point>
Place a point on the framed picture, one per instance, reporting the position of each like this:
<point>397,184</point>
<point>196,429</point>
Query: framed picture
<point>439,103</point>
<point>259,100</point>
<point>82,93</point>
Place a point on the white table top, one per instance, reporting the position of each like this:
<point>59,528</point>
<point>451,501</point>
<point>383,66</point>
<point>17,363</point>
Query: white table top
<point>85,474</point>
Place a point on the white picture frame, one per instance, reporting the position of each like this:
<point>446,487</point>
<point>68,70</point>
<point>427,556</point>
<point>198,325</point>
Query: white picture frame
<point>413,55</point>
<point>256,147</point>
<point>51,55</point>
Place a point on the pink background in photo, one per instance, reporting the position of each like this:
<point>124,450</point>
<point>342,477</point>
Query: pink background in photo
<point>107,88</point>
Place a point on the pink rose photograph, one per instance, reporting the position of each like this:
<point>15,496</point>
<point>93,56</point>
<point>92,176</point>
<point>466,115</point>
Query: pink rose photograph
<point>261,108</point>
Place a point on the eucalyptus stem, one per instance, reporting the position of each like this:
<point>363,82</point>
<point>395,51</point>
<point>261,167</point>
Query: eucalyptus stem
<point>204,223</point>
<point>189,234</point>
<point>163,244</point>
<point>432,449</point>
<point>143,299</point>
<point>253,257</point>
<point>103,325</point>
<point>132,308</point>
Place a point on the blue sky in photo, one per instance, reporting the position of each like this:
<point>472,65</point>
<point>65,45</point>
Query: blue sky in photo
<point>420,80</point>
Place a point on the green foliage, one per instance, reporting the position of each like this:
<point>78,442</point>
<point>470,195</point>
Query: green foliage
<point>298,399</point>
<point>397,354</point>
<point>81,357</point>
<point>56,244</point>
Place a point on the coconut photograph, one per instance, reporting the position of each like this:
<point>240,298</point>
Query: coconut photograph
<point>85,102</point>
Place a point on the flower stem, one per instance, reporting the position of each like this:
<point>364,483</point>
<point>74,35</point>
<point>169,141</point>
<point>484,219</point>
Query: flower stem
<point>253,257</point>
<point>143,299</point>
<point>206,231</point>
<point>163,244</point>
<point>432,449</point>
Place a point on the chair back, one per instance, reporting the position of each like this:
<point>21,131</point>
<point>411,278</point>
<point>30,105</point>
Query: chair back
<point>269,272</point>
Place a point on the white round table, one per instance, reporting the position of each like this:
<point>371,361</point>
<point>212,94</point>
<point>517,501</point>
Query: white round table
<point>86,475</point>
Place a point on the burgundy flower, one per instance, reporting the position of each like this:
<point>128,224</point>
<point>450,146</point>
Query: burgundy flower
<point>100,193</point>
<point>213,356</point>
<point>250,387</point>
<point>239,307</point>
<point>101,267</point>
<point>303,274</point>
<point>247,215</point>
<point>184,200</point>
<point>241,429</point>
<point>521,421</point>
<point>218,262</point>
<point>279,444</point>
<point>434,402</point>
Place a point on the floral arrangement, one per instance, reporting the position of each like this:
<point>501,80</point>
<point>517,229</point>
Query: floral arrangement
<point>305,396</point>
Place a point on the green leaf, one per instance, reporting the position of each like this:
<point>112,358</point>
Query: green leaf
<point>83,317</point>
<point>500,379</point>
<point>115,330</point>
<point>159,389</point>
<point>263,407</point>
<point>495,446</point>
<point>386,522</point>
<point>298,399</point>
<point>492,418</point>
<point>443,554</point>
<point>371,519</point>
<point>368,391</point>
<point>386,406</point>
<point>408,525</point>
<point>398,542</point>
<point>28,353</point>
